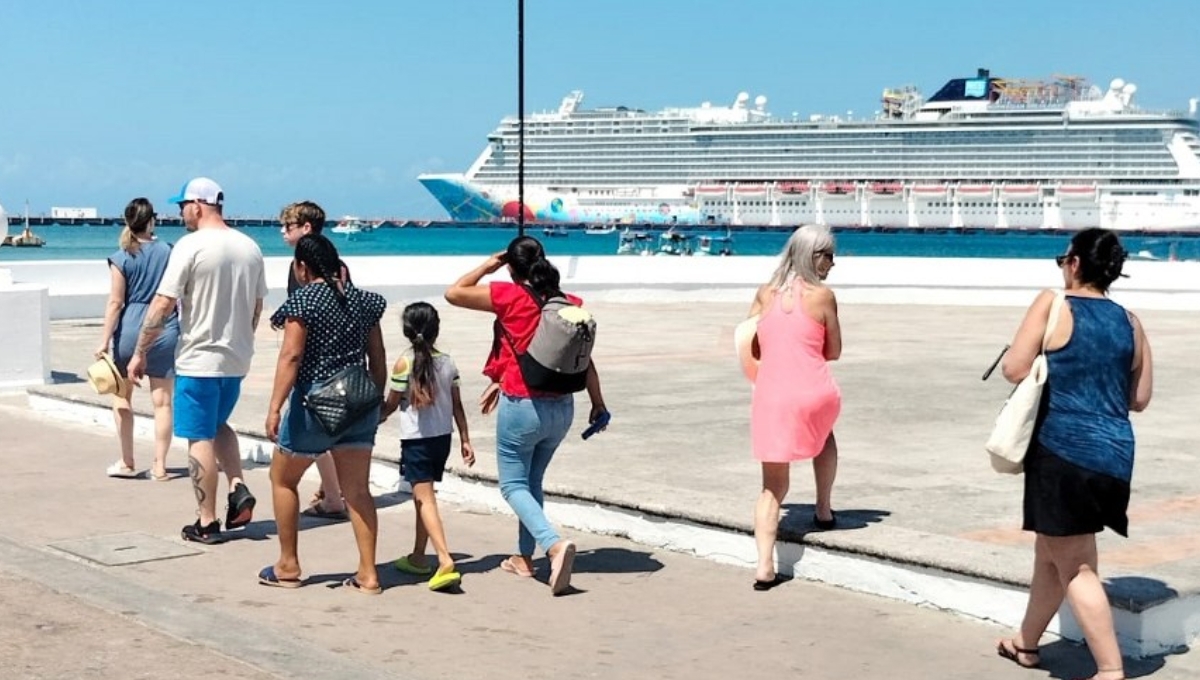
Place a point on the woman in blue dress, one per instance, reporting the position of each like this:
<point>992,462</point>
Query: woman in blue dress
<point>136,269</point>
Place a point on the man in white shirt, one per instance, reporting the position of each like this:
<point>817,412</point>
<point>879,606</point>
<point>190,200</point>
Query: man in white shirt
<point>217,277</point>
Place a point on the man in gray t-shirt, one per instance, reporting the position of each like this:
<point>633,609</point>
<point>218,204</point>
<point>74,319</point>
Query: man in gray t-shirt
<point>217,277</point>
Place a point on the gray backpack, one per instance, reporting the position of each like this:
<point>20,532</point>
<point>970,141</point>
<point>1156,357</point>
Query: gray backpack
<point>560,352</point>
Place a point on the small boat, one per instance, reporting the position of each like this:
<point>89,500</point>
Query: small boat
<point>672,242</point>
<point>712,191</point>
<point>974,189</point>
<point>792,187</point>
<point>633,243</point>
<point>555,230</point>
<point>837,188</point>
<point>708,244</point>
<point>599,229</point>
<point>351,226</point>
<point>929,190</point>
<point>27,239</point>
<point>886,187</point>
<point>1083,192</point>
<point>1019,190</point>
<point>749,190</point>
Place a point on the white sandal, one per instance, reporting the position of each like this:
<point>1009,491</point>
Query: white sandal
<point>121,470</point>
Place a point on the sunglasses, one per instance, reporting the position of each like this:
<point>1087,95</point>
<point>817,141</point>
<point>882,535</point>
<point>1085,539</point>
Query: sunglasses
<point>1060,260</point>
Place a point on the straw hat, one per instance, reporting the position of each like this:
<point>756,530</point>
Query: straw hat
<point>745,341</point>
<point>106,379</point>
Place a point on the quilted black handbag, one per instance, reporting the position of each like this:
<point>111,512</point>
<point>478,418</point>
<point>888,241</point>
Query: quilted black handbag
<point>343,399</point>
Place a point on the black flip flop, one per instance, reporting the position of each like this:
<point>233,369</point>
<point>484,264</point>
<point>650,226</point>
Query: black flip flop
<point>762,586</point>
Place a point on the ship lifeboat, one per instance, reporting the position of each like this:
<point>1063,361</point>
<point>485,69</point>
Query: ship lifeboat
<point>837,188</point>
<point>749,190</point>
<point>929,190</point>
<point>1019,190</point>
<point>974,189</point>
<point>1084,192</point>
<point>711,191</point>
<point>885,188</point>
<point>792,187</point>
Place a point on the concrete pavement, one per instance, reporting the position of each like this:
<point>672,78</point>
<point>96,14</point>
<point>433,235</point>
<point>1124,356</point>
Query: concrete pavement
<point>635,613</point>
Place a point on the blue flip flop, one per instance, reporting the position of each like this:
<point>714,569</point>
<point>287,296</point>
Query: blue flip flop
<point>267,577</point>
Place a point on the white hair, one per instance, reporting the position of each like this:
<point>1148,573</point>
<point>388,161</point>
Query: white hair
<point>798,256</point>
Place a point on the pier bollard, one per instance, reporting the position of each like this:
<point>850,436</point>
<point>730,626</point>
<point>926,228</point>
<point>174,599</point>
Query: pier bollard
<point>25,334</point>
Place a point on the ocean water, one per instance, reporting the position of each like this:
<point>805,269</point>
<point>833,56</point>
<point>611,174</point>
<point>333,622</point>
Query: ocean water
<point>95,242</point>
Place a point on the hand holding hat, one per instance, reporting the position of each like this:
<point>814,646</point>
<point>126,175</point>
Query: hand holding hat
<point>106,379</point>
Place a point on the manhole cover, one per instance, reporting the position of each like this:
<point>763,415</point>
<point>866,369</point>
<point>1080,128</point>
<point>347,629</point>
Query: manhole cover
<point>118,549</point>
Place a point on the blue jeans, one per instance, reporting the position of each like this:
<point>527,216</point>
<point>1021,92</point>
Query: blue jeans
<point>528,431</point>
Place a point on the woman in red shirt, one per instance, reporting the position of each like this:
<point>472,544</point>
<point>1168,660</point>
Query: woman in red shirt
<point>529,425</point>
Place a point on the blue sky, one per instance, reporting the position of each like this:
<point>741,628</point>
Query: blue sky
<point>347,102</point>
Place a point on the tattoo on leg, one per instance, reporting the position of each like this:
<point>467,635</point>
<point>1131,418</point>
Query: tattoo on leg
<point>196,472</point>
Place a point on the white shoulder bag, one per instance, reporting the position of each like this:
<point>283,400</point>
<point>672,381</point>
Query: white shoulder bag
<point>1013,432</point>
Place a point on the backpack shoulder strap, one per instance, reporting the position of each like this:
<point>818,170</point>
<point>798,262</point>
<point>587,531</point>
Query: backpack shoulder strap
<point>537,299</point>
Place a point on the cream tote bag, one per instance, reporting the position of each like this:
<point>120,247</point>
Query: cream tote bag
<point>1013,431</point>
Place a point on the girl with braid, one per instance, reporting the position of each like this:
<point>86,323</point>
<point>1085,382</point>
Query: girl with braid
<point>424,386</point>
<point>328,325</point>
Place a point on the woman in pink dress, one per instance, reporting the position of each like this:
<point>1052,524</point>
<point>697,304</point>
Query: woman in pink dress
<point>795,401</point>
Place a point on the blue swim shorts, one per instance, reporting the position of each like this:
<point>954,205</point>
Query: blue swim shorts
<point>203,404</point>
<point>301,434</point>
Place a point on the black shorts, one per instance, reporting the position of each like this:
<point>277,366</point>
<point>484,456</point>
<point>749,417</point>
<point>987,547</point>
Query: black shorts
<point>424,460</point>
<point>1064,499</point>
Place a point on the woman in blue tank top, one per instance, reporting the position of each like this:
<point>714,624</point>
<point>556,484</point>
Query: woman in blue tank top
<point>1078,469</point>
<point>136,269</point>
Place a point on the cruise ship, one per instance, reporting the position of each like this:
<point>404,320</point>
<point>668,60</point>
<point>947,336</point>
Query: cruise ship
<point>983,152</point>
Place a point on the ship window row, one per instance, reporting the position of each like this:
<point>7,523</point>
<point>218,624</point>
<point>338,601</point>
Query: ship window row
<point>795,146</point>
<point>837,158</point>
<point>601,178</point>
<point>706,155</point>
<point>1014,133</point>
<point>701,156</point>
<point>770,170</point>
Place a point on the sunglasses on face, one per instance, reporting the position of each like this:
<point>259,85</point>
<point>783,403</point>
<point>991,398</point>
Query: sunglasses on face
<point>1060,260</point>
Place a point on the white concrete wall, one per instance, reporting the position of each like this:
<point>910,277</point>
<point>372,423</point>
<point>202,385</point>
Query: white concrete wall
<point>24,334</point>
<point>78,288</point>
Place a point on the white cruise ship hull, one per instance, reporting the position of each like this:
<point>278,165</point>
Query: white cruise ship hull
<point>979,155</point>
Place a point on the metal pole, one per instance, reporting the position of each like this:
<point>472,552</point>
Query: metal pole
<point>520,117</point>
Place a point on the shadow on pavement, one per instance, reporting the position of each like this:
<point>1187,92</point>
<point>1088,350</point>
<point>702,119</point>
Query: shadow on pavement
<point>1064,659</point>
<point>797,519</point>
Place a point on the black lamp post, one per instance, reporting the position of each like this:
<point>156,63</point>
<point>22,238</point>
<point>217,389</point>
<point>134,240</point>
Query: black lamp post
<point>520,117</point>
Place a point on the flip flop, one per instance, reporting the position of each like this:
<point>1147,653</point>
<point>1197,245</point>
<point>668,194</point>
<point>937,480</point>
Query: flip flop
<point>406,566</point>
<point>762,586</point>
<point>318,511</point>
<point>510,565</point>
<point>353,584</point>
<point>267,577</point>
<point>560,569</point>
<point>1007,649</point>
<point>444,580</point>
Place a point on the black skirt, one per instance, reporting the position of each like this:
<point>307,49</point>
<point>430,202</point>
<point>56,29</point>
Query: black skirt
<point>1063,499</point>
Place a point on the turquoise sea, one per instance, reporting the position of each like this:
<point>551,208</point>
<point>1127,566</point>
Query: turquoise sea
<point>97,242</point>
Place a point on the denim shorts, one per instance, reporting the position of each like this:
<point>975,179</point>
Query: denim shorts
<point>423,460</point>
<point>203,404</point>
<point>301,434</point>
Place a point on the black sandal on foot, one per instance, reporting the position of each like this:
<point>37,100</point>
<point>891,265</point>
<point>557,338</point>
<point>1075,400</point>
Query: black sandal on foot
<point>767,585</point>
<point>1008,649</point>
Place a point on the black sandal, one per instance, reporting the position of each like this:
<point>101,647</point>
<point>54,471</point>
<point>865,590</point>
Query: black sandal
<point>1013,653</point>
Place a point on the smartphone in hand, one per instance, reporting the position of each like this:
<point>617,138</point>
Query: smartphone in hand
<point>600,424</point>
